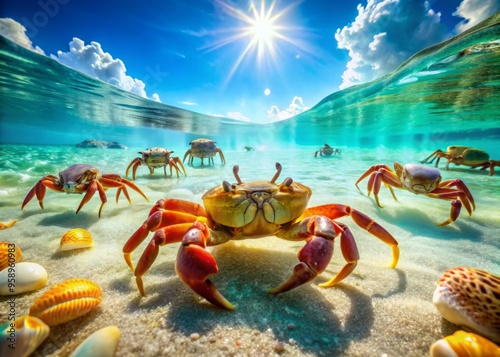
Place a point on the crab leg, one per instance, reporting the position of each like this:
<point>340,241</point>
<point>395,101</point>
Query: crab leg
<point>334,211</point>
<point>222,158</point>
<point>157,220</point>
<point>94,186</point>
<point>135,163</point>
<point>174,161</point>
<point>316,254</point>
<point>114,180</point>
<point>462,187</point>
<point>194,265</point>
<point>40,188</point>
<point>380,173</point>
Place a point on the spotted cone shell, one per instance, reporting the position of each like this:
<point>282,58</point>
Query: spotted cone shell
<point>66,301</point>
<point>470,298</point>
<point>17,254</point>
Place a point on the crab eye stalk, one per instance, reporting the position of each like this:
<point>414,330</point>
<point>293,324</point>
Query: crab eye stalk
<point>288,182</point>
<point>226,186</point>
<point>236,169</point>
<point>278,172</point>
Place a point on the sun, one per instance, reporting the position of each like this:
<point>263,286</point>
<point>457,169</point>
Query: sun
<point>262,28</point>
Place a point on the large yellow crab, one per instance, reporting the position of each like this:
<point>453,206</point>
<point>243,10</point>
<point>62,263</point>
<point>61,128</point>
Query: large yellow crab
<point>464,155</point>
<point>203,148</point>
<point>420,179</point>
<point>82,178</point>
<point>250,210</point>
<point>154,158</point>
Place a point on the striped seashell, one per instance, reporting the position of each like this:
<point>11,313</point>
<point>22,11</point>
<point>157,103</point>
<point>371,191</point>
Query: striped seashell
<point>66,301</point>
<point>22,336</point>
<point>470,298</point>
<point>76,239</point>
<point>464,344</point>
<point>6,248</point>
<point>21,278</point>
<point>102,343</point>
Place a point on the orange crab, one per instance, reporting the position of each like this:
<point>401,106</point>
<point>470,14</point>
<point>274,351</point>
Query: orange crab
<point>203,148</point>
<point>82,178</point>
<point>154,158</point>
<point>420,179</point>
<point>250,210</point>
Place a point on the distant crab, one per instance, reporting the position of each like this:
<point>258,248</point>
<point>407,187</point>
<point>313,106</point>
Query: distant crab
<point>82,178</point>
<point>420,179</point>
<point>250,210</point>
<point>464,155</point>
<point>326,150</point>
<point>203,148</point>
<point>154,158</point>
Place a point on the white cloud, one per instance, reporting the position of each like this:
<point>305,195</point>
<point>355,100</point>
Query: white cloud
<point>93,61</point>
<point>16,32</point>
<point>237,116</point>
<point>386,33</point>
<point>296,107</point>
<point>475,11</point>
<point>189,103</point>
<point>156,97</point>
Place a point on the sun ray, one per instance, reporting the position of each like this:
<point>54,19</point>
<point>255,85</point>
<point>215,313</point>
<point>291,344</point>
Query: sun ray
<point>262,28</point>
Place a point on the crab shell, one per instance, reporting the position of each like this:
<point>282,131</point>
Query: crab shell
<point>203,148</point>
<point>467,155</point>
<point>77,175</point>
<point>155,157</point>
<point>418,178</point>
<point>257,208</point>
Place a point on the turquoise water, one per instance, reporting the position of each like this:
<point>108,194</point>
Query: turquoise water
<point>437,98</point>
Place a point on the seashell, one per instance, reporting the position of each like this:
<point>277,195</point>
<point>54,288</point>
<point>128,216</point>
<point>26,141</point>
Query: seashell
<point>102,343</point>
<point>470,298</point>
<point>464,344</point>
<point>66,301</point>
<point>22,278</point>
<point>76,239</point>
<point>22,336</point>
<point>6,248</point>
<point>8,225</point>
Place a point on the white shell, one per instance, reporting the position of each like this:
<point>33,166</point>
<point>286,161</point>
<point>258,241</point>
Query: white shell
<point>102,343</point>
<point>29,333</point>
<point>24,276</point>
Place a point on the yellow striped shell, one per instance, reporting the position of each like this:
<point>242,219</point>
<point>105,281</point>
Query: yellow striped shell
<point>470,298</point>
<point>6,248</point>
<point>76,239</point>
<point>464,344</point>
<point>66,301</point>
<point>21,278</point>
<point>19,338</point>
<point>102,343</point>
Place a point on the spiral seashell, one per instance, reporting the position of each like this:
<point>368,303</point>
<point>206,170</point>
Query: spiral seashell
<point>464,344</point>
<point>9,251</point>
<point>66,301</point>
<point>470,298</point>
<point>102,343</point>
<point>76,239</point>
<point>22,336</point>
<point>21,278</point>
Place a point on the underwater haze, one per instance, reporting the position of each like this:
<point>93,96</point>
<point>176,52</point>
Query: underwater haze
<point>445,95</point>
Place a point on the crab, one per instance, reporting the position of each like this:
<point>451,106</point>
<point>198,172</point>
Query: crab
<point>82,178</point>
<point>250,210</point>
<point>420,179</point>
<point>203,148</point>
<point>458,154</point>
<point>154,158</point>
<point>326,150</point>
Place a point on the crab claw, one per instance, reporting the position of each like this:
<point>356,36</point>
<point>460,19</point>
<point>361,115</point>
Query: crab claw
<point>194,265</point>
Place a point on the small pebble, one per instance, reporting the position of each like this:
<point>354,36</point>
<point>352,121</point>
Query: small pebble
<point>194,336</point>
<point>279,347</point>
<point>291,326</point>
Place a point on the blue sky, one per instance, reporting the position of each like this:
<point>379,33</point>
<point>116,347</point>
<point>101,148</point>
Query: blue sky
<point>224,58</point>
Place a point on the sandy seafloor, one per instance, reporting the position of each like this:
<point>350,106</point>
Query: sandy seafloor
<point>377,311</point>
